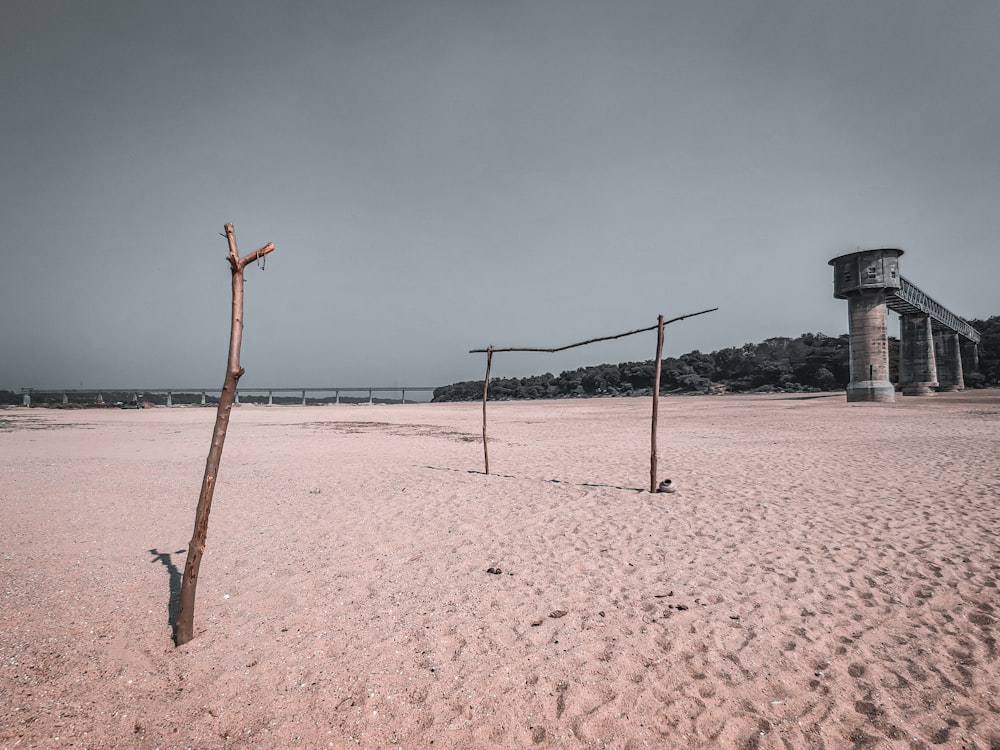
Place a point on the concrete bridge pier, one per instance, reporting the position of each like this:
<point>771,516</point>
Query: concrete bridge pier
<point>970,356</point>
<point>917,364</point>
<point>867,313</point>
<point>948,355</point>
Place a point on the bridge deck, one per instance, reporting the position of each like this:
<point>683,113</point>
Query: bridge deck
<point>909,299</point>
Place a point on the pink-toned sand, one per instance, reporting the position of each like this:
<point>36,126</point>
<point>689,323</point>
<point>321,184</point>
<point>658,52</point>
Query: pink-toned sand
<point>824,577</point>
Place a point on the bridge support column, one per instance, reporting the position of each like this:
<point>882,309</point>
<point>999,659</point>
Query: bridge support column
<point>866,313</point>
<point>917,366</point>
<point>970,356</point>
<point>170,398</point>
<point>338,396</point>
<point>370,401</point>
<point>270,398</point>
<point>303,398</point>
<point>948,355</point>
<point>403,400</point>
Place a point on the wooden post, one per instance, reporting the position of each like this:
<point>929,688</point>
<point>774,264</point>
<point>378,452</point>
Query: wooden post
<point>184,630</point>
<point>486,390</point>
<point>656,403</point>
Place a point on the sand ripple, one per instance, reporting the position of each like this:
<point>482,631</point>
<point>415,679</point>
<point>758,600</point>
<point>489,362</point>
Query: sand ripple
<point>824,577</point>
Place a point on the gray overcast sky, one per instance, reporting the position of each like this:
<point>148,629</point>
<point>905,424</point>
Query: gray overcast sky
<point>438,176</point>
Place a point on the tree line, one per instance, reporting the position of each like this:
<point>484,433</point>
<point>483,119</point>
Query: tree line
<point>811,362</point>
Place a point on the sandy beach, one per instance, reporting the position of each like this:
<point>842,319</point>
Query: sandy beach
<point>825,576</point>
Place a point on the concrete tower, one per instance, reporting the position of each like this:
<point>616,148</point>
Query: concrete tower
<point>862,278</point>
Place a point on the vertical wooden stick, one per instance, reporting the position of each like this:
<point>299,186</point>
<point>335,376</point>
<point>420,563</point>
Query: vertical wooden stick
<point>656,403</point>
<point>184,630</point>
<point>486,390</point>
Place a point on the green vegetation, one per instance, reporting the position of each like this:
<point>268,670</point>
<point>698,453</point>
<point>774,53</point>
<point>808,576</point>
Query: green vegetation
<point>810,363</point>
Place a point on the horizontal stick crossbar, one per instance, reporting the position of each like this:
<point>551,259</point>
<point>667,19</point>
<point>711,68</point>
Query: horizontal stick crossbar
<point>588,341</point>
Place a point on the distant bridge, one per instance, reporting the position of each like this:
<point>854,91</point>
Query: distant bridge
<point>98,393</point>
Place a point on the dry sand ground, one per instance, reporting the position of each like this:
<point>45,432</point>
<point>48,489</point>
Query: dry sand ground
<point>825,576</point>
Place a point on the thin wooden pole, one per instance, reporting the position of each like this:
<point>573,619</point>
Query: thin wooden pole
<point>184,630</point>
<point>486,390</point>
<point>656,403</point>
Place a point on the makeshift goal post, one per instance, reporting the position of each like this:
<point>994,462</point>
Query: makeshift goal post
<point>490,350</point>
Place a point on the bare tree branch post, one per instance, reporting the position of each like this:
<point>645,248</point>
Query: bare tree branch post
<point>656,403</point>
<point>184,630</point>
<point>486,390</point>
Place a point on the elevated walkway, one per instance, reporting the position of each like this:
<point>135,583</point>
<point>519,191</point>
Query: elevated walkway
<point>908,299</point>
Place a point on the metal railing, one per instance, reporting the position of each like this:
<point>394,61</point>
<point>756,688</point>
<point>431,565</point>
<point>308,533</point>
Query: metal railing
<point>170,393</point>
<point>909,299</point>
